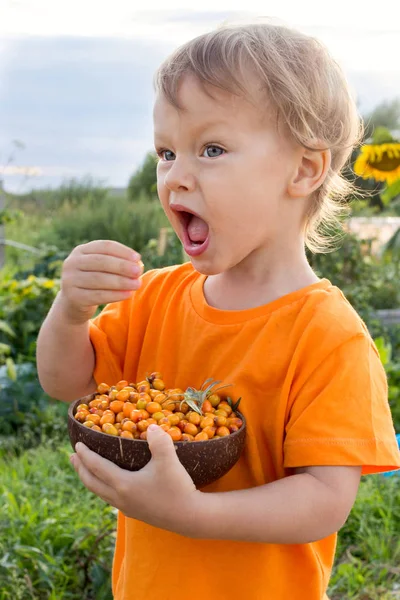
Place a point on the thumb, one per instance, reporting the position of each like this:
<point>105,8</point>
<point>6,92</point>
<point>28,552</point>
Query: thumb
<point>160,443</point>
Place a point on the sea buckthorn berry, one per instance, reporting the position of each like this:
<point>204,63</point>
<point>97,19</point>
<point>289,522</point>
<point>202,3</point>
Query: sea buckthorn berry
<point>96,428</point>
<point>120,417</point>
<point>233,428</point>
<point>143,435</point>
<point>153,407</point>
<point>222,431</point>
<point>142,425</point>
<point>165,426</point>
<point>127,435</point>
<point>128,408</point>
<point>158,384</point>
<point>82,407</point>
<point>220,420</point>
<point>186,437</point>
<point>175,433</point>
<point>112,395</point>
<point>102,388</point>
<point>191,429</point>
<point>225,406</point>
<point>94,418</point>
<point>210,431</point>
<point>206,422</point>
<point>129,426</point>
<point>81,415</point>
<point>173,419</point>
<point>201,437</point>
<point>121,384</point>
<point>141,403</point>
<point>110,419</point>
<point>214,399</point>
<point>143,386</point>
<point>182,424</point>
<point>116,406</point>
<point>88,424</point>
<point>193,417</point>
<point>123,395</point>
<point>158,416</point>
<point>109,428</point>
<point>207,407</point>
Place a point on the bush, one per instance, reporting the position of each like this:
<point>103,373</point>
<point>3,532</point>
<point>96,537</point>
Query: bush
<point>57,538</point>
<point>23,307</point>
<point>132,224</point>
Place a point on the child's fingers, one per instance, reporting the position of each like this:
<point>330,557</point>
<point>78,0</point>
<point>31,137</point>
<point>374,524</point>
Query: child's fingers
<point>110,248</point>
<point>101,263</point>
<point>90,280</point>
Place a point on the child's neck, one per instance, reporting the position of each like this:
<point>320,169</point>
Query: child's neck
<point>242,288</point>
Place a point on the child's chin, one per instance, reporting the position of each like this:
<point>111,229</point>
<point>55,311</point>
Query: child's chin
<point>206,268</point>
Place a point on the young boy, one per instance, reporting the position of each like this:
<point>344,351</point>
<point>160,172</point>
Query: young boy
<point>252,127</point>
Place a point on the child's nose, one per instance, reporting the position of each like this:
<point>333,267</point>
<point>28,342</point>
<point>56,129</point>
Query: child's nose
<point>180,177</point>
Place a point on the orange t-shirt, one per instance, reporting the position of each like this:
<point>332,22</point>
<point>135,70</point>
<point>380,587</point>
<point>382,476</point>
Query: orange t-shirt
<point>313,392</point>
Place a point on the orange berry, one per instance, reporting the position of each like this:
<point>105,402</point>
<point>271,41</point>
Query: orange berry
<point>123,395</point>
<point>94,418</point>
<point>81,415</point>
<point>233,428</point>
<point>175,433</point>
<point>201,437</point>
<point>112,395</point>
<point>120,417</point>
<point>193,417</point>
<point>142,425</point>
<point>116,406</point>
<point>134,396</point>
<point>107,419</point>
<point>222,431</point>
<point>184,408</point>
<point>129,426</point>
<point>214,399</point>
<point>165,426</point>
<point>210,431</point>
<point>109,428</point>
<point>89,424</point>
<point>155,375</point>
<point>158,384</point>
<point>102,388</point>
<point>173,419</point>
<point>121,384</point>
<point>96,428</point>
<point>158,416</point>
<point>127,409</point>
<point>127,435</point>
<point>82,407</point>
<point>95,403</point>
<point>143,386</point>
<point>182,424</point>
<point>186,437</point>
<point>207,407</point>
<point>159,397</point>
<point>153,407</point>
<point>220,420</point>
<point>225,406</point>
<point>206,422</point>
<point>143,435</point>
<point>191,429</point>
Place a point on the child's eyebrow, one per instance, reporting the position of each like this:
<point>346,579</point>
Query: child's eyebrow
<point>197,129</point>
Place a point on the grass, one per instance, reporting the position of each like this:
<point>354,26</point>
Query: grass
<point>57,538</point>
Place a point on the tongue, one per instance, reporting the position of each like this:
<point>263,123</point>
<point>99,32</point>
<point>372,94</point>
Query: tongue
<point>197,230</point>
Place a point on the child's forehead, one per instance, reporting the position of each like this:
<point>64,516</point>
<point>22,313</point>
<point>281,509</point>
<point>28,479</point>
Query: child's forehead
<point>204,106</point>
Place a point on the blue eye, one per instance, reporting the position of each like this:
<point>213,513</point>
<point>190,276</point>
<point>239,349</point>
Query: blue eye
<point>213,148</point>
<point>163,154</point>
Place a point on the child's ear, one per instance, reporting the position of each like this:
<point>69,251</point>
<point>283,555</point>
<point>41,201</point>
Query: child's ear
<point>310,172</point>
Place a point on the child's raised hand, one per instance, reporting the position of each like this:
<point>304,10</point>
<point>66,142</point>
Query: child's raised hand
<point>161,494</point>
<point>98,272</point>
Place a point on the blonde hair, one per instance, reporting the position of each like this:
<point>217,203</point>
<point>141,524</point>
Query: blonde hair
<point>306,87</point>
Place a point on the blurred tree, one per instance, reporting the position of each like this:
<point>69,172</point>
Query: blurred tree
<point>144,180</point>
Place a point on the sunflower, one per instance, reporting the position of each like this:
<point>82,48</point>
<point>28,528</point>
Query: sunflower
<point>379,161</point>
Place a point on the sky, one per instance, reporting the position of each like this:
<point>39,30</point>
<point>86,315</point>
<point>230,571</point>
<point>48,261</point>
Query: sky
<point>76,75</point>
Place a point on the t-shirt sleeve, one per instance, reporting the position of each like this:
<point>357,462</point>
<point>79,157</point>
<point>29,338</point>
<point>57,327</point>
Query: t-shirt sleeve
<point>109,336</point>
<point>339,412</point>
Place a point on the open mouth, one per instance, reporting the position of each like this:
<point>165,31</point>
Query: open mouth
<point>195,231</point>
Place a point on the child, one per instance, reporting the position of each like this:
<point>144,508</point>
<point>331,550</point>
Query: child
<point>253,125</point>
